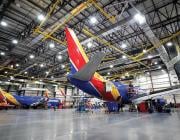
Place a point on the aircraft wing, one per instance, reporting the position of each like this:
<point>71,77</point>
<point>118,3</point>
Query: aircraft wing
<point>152,96</point>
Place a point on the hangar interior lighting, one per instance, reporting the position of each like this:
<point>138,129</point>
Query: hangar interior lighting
<point>93,20</point>
<point>14,41</point>
<point>51,45</point>
<point>41,65</point>
<point>169,44</point>
<point>108,73</point>
<point>144,51</point>
<point>31,56</point>
<point>62,66</point>
<point>89,44</point>
<point>149,56</point>
<point>2,53</point>
<point>111,66</point>
<point>41,17</point>
<point>25,72</point>
<point>17,65</point>
<point>123,46</point>
<point>3,23</point>
<point>124,57</point>
<point>140,18</point>
<point>59,57</point>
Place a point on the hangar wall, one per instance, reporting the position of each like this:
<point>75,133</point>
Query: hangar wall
<point>156,80</point>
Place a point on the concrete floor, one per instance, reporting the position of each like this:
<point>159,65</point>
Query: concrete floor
<point>68,125</point>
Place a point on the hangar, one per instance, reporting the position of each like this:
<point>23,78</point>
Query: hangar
<point>73,69</point>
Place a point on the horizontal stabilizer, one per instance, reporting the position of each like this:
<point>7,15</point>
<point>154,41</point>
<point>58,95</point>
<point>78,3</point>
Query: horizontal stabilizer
<point>86,73</point>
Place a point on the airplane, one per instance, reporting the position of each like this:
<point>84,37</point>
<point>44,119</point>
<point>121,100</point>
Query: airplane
<point>29,101</point>
<point>3,102</point>
<point>83,75</point>
<point>10,98</point>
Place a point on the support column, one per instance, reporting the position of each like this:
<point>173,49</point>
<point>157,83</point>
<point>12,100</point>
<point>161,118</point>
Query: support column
<point>151,81</point>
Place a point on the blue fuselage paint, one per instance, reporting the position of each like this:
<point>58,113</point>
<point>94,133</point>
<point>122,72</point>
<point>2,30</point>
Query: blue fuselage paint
<point>84,86</point>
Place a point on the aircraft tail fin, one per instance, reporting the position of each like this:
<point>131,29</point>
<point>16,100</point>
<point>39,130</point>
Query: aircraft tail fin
<point>77,56</point>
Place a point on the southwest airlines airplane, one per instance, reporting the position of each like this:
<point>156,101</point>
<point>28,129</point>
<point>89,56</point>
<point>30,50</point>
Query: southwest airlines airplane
<point>84,76</point>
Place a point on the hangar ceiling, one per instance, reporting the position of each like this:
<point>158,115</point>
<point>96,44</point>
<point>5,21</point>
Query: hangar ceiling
<point>101,25</point>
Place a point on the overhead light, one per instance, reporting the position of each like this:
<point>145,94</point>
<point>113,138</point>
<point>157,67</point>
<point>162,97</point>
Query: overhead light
<point>14,41</point>
<point>47,72</point>
<point>93,20</point>
<point>52,77</point>
<point>11,66</point>
<point>124,56</point>
<point>123,77</point>
<point>59,57</point>
<point>89,44</point>
<point>11,77</point>
<point>163,70</point>
<point>169,44</point>
<point>140,18</point>
<point>41,65</point>
<point>17,65</point>
<point>2,53</point>
<point>32,77</point>
<point>5,72</point>
<point>155,63</point>
<point>149,56</point>
<point>40,80</point>
<point>25,72</point>
<point>123,46</point>
<point>3,23</point>
<point>51,45</point>
<point>31,56</point>
<point>159,67</point>
<point>108,73</point>
<point>144,51</point>
<point>62,66</point>
<point>148,73</point>
<point>41,17</point>
<point>67,73</point>
<point>111,66</point>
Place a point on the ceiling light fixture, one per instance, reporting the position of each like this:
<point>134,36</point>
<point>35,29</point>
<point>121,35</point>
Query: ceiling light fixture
<point>144,51</point>
<point>62,66</point>
<point>93,20</point>
<point>51,45</point>
<point>169,44</point>
<point>41,17</point>
<point>17,65</point>
<point>31,56</point>
<point>25,72</point>
<point>2,53</point>
<point>140,18</point>
<point>89,44</point>
<point>149,56</point>
<point>111,66</point>
<point>123,46</point>
<point>108,73</point>
<point>41,65</point>
<point>3,23</point>
<point>14,41</point>
<point>124,57</point>
<point>59,57</point>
